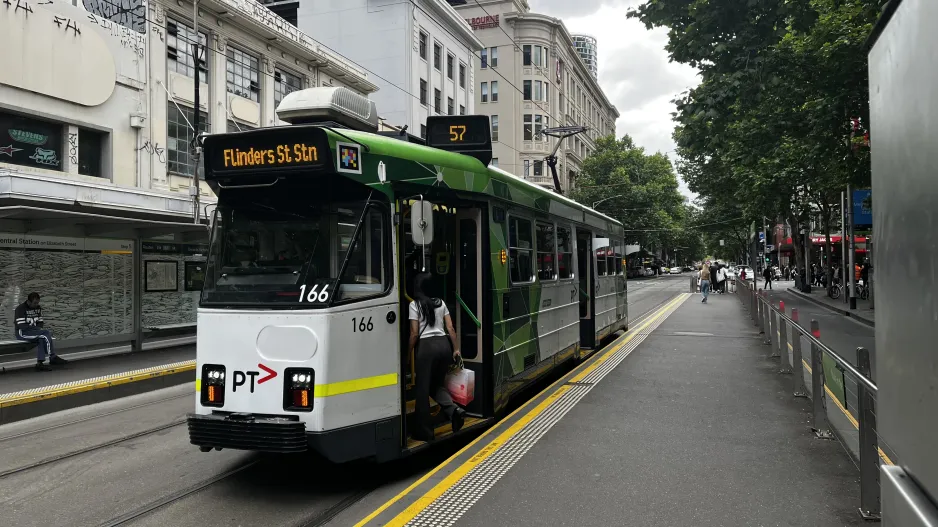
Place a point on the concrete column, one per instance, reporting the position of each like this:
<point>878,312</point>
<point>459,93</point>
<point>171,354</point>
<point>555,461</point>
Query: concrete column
<point>70,156</point>
<point>218,112</point>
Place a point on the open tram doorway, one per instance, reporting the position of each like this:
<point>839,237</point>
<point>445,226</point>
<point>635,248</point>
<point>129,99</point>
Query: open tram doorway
<point>584,256</point>
<point>454,259</point>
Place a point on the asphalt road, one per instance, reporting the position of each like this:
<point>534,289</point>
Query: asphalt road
<point>129,462</point>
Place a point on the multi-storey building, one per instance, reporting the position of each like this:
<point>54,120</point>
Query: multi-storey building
<point>97,117</point>
<point>420,52</point>
<point>530,77</point>
<point>586,46</point>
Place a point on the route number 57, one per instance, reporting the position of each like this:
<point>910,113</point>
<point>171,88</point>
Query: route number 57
<point>456,132</point>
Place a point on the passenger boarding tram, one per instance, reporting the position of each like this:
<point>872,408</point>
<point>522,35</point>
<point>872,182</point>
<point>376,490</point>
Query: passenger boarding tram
<point>321,227</point>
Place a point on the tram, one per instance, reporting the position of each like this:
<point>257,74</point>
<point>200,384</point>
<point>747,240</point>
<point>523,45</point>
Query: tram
<point>319,231</point>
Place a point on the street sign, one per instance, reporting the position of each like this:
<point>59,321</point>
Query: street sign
<point>769,248</point>
<point>761,236</point>
<point>721,243</point>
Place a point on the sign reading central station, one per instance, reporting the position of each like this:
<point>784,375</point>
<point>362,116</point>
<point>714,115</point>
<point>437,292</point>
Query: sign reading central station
<point>281,155</point>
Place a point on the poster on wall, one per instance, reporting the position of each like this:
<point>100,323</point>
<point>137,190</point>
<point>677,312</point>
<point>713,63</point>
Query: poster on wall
<point>195,276</point>
<point>30,142</point>
<point>862,209</point>
<point>161,276</point>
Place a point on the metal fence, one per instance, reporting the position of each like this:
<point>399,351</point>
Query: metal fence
<point>855,427</point>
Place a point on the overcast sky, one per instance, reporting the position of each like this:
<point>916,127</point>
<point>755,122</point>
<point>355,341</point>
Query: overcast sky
<point>634,70</point>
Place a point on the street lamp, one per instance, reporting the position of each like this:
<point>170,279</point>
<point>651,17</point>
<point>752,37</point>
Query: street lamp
<point>605,199</point>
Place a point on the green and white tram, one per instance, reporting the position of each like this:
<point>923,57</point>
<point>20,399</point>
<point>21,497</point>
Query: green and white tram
<point>319,231</point>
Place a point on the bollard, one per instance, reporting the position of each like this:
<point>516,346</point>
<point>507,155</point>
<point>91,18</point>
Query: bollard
<point>783,342</point>
<point>822,428</point>
<point>797,362</point>
<point>773,327</point>
<point>767,323</point>
<point>869,446</point>
<point>759,318</point>
<point>755,303</point>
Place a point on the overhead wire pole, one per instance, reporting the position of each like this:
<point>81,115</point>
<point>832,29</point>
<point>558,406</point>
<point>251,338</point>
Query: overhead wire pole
<point>196,147</point>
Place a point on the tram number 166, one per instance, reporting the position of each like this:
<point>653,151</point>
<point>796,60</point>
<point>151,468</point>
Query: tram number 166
<point>360,325</point>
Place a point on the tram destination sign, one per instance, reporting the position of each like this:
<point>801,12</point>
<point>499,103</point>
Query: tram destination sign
<point>466,134</point>
<point>266,150</point>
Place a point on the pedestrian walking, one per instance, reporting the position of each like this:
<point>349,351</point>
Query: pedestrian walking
<point>768,274</point>
<point>28,322</point>
<point>705,281</point>
<point>721,279</point>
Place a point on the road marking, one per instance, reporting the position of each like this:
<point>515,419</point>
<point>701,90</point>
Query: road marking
<point>514,442</point>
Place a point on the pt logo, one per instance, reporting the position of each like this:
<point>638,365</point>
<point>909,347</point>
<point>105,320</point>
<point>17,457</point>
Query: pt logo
<point>241,377</point>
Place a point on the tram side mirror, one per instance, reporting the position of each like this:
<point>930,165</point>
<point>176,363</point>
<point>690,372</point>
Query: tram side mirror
<point>421,222</point>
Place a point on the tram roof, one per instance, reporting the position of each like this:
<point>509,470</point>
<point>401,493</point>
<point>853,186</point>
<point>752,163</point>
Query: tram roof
<point>382,145</point>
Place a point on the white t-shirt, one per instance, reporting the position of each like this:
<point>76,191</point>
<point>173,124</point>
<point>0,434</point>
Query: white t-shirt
<point>437,329</point>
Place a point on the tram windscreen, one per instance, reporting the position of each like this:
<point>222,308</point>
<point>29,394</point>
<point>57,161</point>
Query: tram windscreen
<point>290,252</point>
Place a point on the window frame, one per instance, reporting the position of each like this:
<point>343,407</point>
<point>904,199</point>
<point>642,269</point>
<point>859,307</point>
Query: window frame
<point>186,40</point>
<point>279,83</point>
<point>532,250</point>
<point>450,106</point>
<point>462,109</point>
<point>171,140</point>
<point>572,251</point>
<point>424,92</point>
<point>526,92</point>
<point>493,57</point>
<point>526,55</point>
<point>437,56</point>
<point>494,91</point>
<point>553,252</point>
<point>438,100</point>
<point>462,75</point>
<point>450,66</point>
<point>422,46</point>
<point>527,123</point>
<point>484,92</point>
<point>484,58</point>
<point>232,62</point>
<point>494,122</point>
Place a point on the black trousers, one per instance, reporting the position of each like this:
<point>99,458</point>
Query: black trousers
<point>434,357</point>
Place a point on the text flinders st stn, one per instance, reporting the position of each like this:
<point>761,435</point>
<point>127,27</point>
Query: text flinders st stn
<point>283,154</point>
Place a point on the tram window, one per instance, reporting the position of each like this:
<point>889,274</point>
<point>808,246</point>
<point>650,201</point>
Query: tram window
<point>564,252</point>
<point>617,258</point>
<point>601,262</point>
<point>546,256</point>
<point>520,249</point>
<point>365,272</point>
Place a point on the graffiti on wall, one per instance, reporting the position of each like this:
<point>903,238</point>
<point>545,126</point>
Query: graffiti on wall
<point>154,149</point>
<point>131,14</point>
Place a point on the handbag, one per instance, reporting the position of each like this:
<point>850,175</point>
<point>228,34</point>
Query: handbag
<point>460,382</point>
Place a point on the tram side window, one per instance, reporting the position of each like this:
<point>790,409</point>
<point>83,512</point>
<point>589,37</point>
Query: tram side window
<point>617,259</point>
<point>564,252</point>
<point>520,249</point>
<point>546,270</point>
<point>365,274</point>
<point>601,261</point>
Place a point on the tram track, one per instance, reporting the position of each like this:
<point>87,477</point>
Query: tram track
<point>92,448</point>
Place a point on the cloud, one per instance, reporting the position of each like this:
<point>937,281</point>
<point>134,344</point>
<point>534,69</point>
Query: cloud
<point>634,69</point>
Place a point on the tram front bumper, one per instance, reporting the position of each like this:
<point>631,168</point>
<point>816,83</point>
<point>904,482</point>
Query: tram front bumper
<point>247,432</point>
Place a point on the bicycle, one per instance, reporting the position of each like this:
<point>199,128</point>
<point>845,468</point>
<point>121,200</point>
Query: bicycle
<point>835,290</point>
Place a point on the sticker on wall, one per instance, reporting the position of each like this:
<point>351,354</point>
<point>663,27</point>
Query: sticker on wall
<point>349,158</point>
<point>9,150</point>
<point>45,156</point>
<point>31,138</point>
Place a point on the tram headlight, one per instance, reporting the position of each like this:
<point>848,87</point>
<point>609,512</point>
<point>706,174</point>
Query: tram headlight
<point>298,389</point>
<point>212,392</point>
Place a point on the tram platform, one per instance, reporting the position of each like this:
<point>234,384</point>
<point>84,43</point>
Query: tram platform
<point>682,421</point>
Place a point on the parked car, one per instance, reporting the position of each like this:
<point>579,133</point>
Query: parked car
<point>649,271</point>
<point>675,270</point>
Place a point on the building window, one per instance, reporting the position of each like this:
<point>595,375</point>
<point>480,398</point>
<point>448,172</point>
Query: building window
<point>538,168</point>
<point>437,100</point>
<point>546,89</point>
<point>31,142</point>
<point>538,126</point>
<point>242,75</point>
<point>527,90</point>
<point>90,145</point>
<point>423,131</point>
<point>179,159</point>
<point>450,106</point>
<point>493,58</point>
<point>494,91</point>
<point>544,56</point>
<point>235,126</point>
<point>546,126</point>
<point>546,256</point>
<point>537,56</point>
<point>437,56</point>
<point>462,110</point>
<point>179,41</point>
<point>423,92</point>
<point>538,91</point>
<point>526,55</point>
<point>450,61</point>
<point>462,75</point>
<point>520,249</point>
<point>485,92</point>
<point>485,58</point>
<point>285,83</point>
<point>494,128</point>
<point>565,251</point>
<point>527,168</point>
<point>423,45</point>
<point>494,162</point>
<point>528,129</point>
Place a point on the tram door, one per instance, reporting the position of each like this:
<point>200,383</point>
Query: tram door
<point>584,256</point>
<point>468,318</point>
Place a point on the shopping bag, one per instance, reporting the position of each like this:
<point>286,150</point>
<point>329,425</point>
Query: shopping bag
<point>461,385</point>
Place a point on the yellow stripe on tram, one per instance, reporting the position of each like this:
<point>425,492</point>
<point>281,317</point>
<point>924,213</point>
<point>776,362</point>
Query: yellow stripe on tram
<point>355,385</point>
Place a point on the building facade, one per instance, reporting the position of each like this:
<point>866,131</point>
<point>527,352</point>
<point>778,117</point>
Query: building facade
<point>530,77</point>
<point>421,54</point>
<point>96,123</point>
<point>586,46</point>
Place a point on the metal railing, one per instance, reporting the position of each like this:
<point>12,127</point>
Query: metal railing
<point>773,324</point>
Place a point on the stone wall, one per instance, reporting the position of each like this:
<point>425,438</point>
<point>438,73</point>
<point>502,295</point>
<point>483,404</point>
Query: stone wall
<point>84,294</point>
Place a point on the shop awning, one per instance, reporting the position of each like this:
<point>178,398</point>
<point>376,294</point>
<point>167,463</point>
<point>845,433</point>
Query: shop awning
<point>52,222</point>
